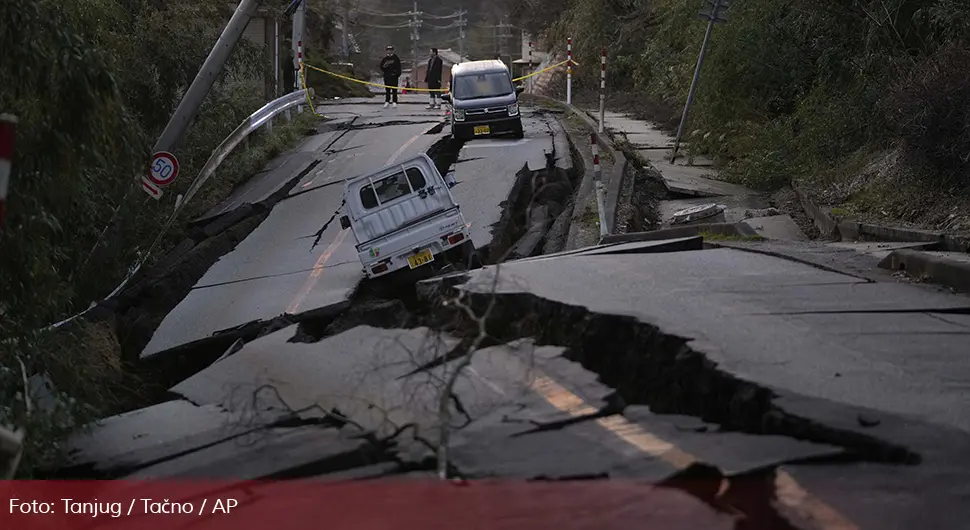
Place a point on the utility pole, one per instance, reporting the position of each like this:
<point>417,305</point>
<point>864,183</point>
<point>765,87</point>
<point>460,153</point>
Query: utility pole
<point>532,78</point>
<point>211,68</point>
<point>715,11</point>
<point>299,22</point>
<point>505,34</point>
<point>461,32</point>
<point>415,24</point>
<point>345,23</point>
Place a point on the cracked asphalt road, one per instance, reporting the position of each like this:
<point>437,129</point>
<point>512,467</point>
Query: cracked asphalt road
<point>274,271</point>
<point>798,397</point>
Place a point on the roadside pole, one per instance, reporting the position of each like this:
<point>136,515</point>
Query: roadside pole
<point>276,58</point>
<point>300,74</point>
<point>715,14</point>
<point>603,93</point>
<point>8,129</point>
<point>532,79</point>
<point>345,21</point>
<point>299,19</point>
<point>600,189</point>
<point>569,71</point>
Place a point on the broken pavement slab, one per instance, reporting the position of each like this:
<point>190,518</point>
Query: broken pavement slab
<point>357,372</point>
<point>736,206</point>
<point>879,249</point>
<point>264,184</point>
<point>739,308</point>
<point>682,244</point>
<point>275,270</point>
<point>488,171</point>
<point>946,268</point>
<point>780,227</point>
<point>278,453</point>
<point>635,445</point>
<point>695,181</point>
<point>931,494</point>
<point>138,438</point>
<point>734,453</point>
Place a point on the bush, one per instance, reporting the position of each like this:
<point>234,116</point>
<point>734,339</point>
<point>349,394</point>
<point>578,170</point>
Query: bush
<point>793,87</point>
<point>93,83</point>
<point>930,109</point>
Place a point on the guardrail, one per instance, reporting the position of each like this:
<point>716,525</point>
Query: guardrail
<point>262,117</point>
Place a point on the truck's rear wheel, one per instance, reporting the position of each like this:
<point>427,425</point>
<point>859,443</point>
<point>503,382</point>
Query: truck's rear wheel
<point>469,256</point>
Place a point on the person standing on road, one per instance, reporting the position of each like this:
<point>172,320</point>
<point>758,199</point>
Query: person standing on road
<point>433,78</point>
<point>391,68</point>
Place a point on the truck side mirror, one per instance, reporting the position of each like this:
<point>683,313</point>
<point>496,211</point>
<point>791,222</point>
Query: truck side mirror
<point>344,222</point>
<point>519,89</point>
<point>446,97</point>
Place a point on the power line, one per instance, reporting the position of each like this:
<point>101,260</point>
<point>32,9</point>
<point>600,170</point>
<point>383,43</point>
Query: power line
<point>380,26</point>
<point>449,26</point>
<point>375,14</point>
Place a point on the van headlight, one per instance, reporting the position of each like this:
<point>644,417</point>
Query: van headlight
<point>514,109</point>
<point>459,114</point>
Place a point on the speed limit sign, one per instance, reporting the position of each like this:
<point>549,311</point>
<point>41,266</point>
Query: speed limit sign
<point>164,168</point>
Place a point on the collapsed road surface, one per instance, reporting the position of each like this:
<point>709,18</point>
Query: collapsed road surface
<point>774,393</point>
<point>277,269</point>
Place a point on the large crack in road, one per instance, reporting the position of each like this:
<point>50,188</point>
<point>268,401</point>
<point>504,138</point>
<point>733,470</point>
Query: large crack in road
<point>596,383</point>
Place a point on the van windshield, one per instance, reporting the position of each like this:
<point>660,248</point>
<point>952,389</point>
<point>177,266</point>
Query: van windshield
<point>482,85</point>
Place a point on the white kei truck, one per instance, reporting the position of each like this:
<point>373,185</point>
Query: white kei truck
<point>404,216</point>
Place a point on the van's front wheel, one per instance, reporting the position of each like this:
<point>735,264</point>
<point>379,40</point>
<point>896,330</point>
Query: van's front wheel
<point>460,133</point>
<point>517,129</point>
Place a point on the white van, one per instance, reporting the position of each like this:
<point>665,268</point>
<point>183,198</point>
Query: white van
<point>405,216</point>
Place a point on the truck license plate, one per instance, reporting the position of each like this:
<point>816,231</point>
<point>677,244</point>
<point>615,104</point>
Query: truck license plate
<point>482,129</point>
<point>421,258</point>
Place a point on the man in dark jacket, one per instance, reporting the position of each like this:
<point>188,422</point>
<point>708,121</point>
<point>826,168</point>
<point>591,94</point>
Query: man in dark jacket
<point>433,78</point>
<point>391,68</point>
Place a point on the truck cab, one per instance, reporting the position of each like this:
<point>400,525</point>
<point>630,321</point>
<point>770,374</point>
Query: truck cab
<point>404,216</point>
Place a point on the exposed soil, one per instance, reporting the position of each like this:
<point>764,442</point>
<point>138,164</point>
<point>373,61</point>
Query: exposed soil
<point>879,188</point>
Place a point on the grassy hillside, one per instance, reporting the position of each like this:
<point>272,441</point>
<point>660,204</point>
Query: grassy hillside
<point>865,103</point>
<point>93,83</point>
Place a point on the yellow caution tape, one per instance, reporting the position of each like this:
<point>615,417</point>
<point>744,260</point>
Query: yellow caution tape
<point>306,90</point>
<point>379,85</point>
<point>557,65</point>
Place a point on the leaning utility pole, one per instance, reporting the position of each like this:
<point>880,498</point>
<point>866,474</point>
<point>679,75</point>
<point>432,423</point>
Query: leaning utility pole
<point>714,12</point>
<point>211,68</point>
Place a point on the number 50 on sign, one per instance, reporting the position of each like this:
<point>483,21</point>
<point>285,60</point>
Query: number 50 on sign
<point>163,169</point>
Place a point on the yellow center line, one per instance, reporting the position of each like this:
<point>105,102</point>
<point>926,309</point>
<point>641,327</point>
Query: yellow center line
<point>789,493</point>
<point>316,273</point>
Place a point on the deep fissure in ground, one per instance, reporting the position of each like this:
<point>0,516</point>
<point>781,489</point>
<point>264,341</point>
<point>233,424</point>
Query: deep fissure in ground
<point>649,367</point>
